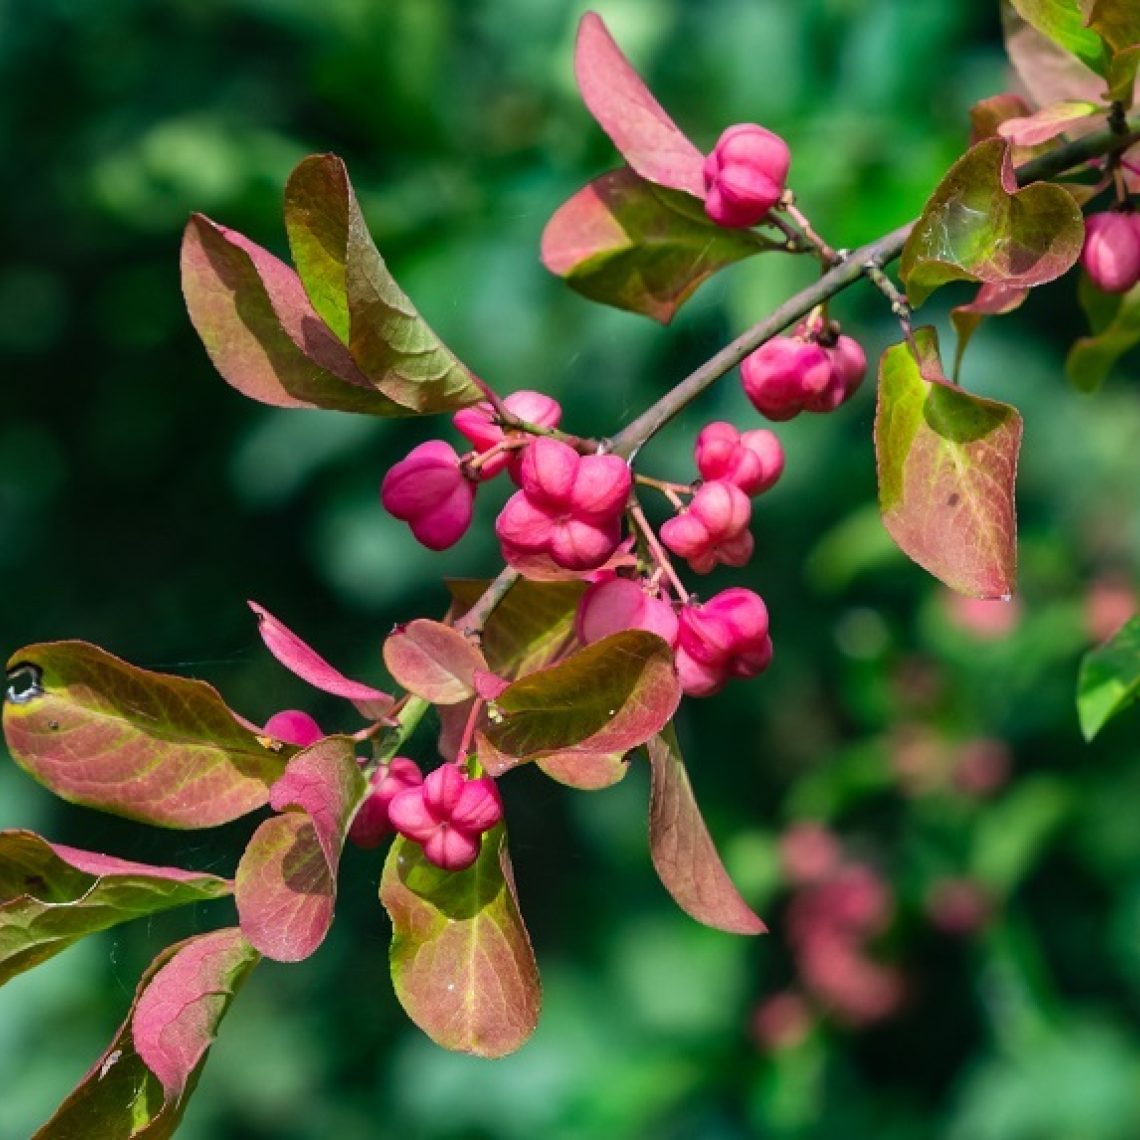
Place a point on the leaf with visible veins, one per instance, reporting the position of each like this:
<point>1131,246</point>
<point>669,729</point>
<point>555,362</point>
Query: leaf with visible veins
<point>947,463</point>
<point>462,963</point>
<point>147,746</point>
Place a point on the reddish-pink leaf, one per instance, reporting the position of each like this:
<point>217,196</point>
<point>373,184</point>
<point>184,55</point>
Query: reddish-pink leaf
<point>260,330</point>
<point>163,750</point>
<point>174,1018</point>
<point>462,963</point>
<point>1046,124</point>
<point>300,658</point>
<point>947,465</point>
<point>683,853</point>
<point>286,880</point>
<point>991,300</point>
<point>434,661</point>
<point>606,698</point>
<point>624,241</point>
<point>646,137</point>
<point>987,115</point>
<point>586,771</point>
<point>52,895</point>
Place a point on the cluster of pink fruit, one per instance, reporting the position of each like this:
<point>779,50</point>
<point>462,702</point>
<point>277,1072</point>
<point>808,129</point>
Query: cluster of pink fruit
<point>446,812</point>
<point>567,517</point>
<point>1111,253</point>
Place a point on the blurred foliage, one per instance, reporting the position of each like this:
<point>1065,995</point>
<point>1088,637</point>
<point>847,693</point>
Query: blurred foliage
<point>141,501</point>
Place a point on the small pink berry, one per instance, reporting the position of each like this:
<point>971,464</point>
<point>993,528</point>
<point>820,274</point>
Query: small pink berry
<point>372,823</point>
<point>753,460</point>
<point>447,815</point>
<point>569,506</point>
<point>714,529</point>
<point>294,727</point>
<point>848,367</point>
<point>619,604</point>
<point>783,374</point>
<point>429,492</point>
<point>725,637</point>
<point>477,425</point>
<point>744,175</point>
<point>1111,253</point>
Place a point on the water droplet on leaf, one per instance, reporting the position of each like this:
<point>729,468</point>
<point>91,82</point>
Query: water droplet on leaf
<point>24,684</point>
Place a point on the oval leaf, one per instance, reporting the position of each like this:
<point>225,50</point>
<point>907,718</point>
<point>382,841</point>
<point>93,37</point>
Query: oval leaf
<point>160,749</point>
<point>608,697</point>
<point>434,661</point>
<point>625,109</point>
<point>977,226</point>
<point>300,658</point>
<point>139,1088</point>
<point>1049,122</point>
<point>947,462</point>
<point>350,286</point>
<point>683,852</point>
<point>52,895</point>
<point>261,332</point>
<point>462,964</point>
<point>625,242</point>
<point>1110,679</point>
<point>285,886</point>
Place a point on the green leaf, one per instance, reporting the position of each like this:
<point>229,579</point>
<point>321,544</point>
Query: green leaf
<point>629,243</point>
<point>52,895</point>
<point>285,887</point>
<point>462,964</point>
<point>1047,72</point>
<point>350,286</point>
<point>1063,21</point>
<point>977,226</point>
<point>1122,76</point>
<point>434,661</point>
<point>139,1087</point>
<point>1109,679</point>
<point>529,628</point>
<point>1115,321</point>
<point>683,852</point>
<point>947,461</point>
<point>608,697</point>
<point>159,749</point>
<point>261,332</point>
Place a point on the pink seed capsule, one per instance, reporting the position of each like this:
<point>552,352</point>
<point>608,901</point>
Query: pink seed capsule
<point>744,175</point>
<point>429,492</point>
<point>372,822</point>
<point>477,425</point>
<point>783,374</point>
<point>1111,253</point>
<point>619,604</point>
<point>753,460</point>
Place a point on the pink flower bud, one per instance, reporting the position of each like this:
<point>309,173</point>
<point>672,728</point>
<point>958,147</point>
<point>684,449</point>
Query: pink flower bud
<point>1111,253</point>
<point>783,374</point>
<point>293,727</point>
<point>620,603</point>
<point>753,460</point>
<point>848,367</point>
<point>477,425</point>
<point>725,637</point>
<point>372,822</point>
<point>714,529</point>
<point>569,506</point>
<point>744,175</point>
<point>447,815</point>
<point>429,492</point>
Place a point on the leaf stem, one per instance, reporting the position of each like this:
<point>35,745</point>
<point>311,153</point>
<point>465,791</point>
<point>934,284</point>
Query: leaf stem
<point>828,256</point>
<point>407,722</point>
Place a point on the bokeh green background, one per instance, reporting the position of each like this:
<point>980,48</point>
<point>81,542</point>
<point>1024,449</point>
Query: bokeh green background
<point>142,501</point>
